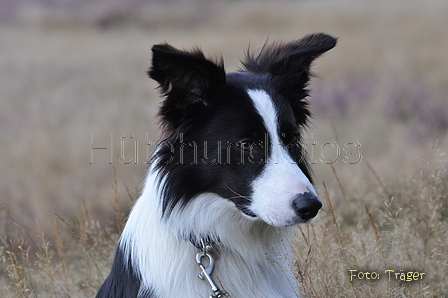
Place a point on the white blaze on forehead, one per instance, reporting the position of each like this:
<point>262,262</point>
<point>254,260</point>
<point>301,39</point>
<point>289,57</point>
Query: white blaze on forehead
<point>265,107</point>
<point>281,179</point>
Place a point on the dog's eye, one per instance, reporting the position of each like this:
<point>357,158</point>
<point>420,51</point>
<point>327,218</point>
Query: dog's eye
<point>294,138</point>
<point>244,145</point>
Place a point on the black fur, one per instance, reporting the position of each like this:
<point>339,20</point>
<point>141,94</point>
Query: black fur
<point>122,281</point>
<point>289,66</point>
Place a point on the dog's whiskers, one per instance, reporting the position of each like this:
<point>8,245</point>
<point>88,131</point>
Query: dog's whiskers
<point>237,194</point>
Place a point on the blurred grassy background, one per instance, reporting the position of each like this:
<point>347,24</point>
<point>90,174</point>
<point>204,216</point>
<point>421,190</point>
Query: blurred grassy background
<point>72,78</point>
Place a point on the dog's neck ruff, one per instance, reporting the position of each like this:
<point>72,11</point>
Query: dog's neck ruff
<point>253,261</point>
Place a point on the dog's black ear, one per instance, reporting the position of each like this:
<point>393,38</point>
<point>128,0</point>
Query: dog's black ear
<point>288,65</point>
<point>185,77</point>
<point>290,61</point>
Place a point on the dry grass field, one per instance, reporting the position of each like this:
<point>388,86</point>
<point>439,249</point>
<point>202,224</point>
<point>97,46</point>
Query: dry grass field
<point>72,78</point>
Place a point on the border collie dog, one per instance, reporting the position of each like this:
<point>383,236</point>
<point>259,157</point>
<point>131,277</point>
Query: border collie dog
<point>228,180</point>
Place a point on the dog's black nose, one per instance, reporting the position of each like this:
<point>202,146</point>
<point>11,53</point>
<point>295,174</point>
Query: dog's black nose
<point>306,205</point>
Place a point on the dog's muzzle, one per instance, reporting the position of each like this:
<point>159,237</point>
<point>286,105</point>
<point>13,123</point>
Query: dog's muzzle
<point>306,205</point>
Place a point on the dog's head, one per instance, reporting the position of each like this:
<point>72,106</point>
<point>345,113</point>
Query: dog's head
<point>238,135</point>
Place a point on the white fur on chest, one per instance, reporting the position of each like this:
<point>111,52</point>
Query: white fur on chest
<point>254,257</point>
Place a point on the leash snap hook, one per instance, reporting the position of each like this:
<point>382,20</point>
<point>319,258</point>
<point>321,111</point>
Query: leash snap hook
<point>206,271</point>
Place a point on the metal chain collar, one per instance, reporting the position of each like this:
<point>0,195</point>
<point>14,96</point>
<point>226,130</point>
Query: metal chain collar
<point>206,272</point>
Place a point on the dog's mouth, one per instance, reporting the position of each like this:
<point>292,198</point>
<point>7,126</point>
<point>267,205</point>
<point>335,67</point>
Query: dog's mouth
<point>248,212</point>
<point>303,209</point>
<point>297,220</point>
<point>242,204</point>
